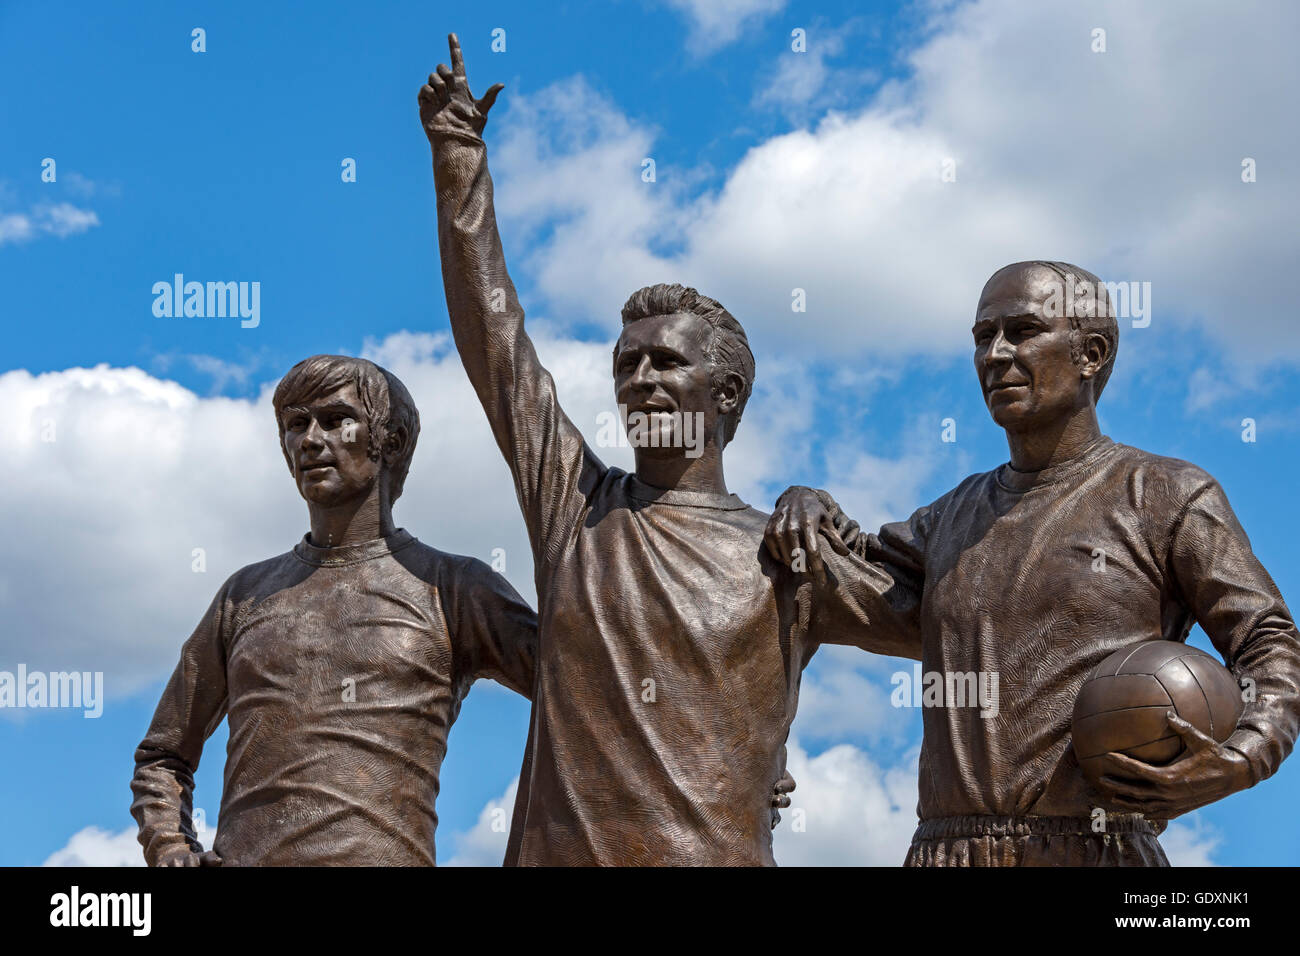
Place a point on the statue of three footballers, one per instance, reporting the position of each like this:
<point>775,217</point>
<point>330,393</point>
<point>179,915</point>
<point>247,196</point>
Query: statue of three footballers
<point>674,620</point>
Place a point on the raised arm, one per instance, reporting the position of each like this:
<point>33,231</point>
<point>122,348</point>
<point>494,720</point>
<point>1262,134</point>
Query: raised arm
<point>191,708</point>
<point>552,467</point>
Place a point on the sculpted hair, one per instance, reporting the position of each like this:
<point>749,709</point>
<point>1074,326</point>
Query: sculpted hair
<point>728,346</point>
<point>1098,319</point>
<point>386,403</point>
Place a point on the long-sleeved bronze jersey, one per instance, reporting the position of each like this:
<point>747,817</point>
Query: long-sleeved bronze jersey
<point>1037,577</point>
<point>341,671</point>
<point>670,645</point>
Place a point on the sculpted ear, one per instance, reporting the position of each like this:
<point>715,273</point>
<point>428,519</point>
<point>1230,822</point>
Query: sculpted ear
<point>1096,353</point>
<point>726,392</point>
<point>395,443</point>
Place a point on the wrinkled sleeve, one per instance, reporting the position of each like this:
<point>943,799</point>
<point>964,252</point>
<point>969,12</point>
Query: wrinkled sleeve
<point>553,468</point>
<point>1235,600</point>
<point>494,631</point>
<point>192,707</point>
<point>494,634</point>
<point>872,597</point>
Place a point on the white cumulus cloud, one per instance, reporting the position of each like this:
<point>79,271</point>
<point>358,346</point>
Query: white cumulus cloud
<point>1190,841</point>
<point>1128,162</point>
<point>716,23</point>
<point>93,846</point>
<point>846,810</point>
<point>54,219</point>
<point>484,844</point>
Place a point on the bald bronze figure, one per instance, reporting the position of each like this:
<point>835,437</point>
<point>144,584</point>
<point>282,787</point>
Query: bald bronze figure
<point>1001,575</point>
<point>670,644</point>
<point>340,664</point>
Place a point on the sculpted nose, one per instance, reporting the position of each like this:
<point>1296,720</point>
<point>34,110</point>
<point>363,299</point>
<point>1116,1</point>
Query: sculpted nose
<point>999,351</point>
<point>313,437</point>
<point>642,378</point>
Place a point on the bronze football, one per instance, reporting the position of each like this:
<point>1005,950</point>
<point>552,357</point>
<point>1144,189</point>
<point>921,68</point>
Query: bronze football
<point>1123,703</point>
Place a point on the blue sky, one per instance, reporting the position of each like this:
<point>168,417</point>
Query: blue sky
<point>774,171</point>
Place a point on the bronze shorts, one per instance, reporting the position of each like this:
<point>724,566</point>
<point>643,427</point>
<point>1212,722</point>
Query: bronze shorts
<point>1128,840</point>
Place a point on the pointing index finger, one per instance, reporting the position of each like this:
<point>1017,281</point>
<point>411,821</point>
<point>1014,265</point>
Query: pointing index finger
<point>457,61</point>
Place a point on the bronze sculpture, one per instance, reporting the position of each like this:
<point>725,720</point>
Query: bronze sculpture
<point>1037,571</point>
<point>341,664</point>
<point>675,620</point>
<point>670,643</point>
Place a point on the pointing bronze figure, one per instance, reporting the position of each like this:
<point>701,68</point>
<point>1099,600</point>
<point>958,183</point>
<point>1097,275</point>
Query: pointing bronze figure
<point>670,644</point>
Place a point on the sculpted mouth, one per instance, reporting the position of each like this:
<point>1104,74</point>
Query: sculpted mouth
<point>315,466</point>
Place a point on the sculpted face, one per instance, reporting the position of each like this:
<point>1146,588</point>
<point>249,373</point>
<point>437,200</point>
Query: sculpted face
<point>1022,351</point>
<point>661,371</point>
<point>328,442</point>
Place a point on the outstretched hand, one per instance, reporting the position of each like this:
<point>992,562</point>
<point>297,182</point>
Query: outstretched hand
<point>447,107</point>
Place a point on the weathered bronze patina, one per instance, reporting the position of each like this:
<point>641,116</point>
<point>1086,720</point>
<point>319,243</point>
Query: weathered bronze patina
<point>340,665</point>
<point>670,643</point>
<point>1037,571</point>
